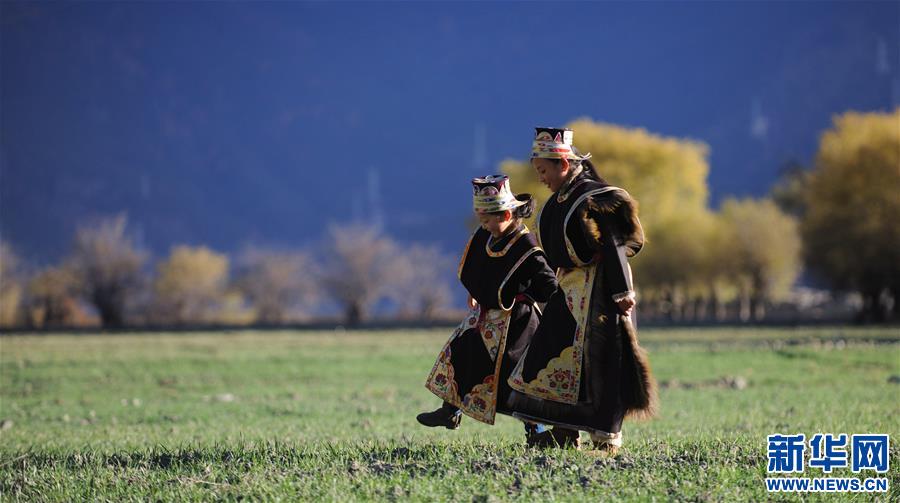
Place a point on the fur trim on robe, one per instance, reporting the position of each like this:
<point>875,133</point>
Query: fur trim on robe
<point>621,211</point>
<point>639,394</point>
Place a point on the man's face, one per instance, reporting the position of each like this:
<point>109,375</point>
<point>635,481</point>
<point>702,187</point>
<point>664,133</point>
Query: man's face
<point>550,173</point>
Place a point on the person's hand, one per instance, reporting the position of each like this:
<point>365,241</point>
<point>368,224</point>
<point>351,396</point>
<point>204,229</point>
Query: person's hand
<point>625,306</point>
<point>472,302</point>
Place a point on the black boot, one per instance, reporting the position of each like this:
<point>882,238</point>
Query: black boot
<point>557,437</point>
<point>447,416</point>
<point>566,438</point>
<point>538,436</point>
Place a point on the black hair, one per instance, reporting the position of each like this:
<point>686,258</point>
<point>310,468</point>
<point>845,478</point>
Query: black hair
<point>586,165</point>
<point>589,168</point>
<point>526,209</point>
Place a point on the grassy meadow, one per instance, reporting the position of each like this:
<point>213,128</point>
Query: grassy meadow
<point>331,416</point>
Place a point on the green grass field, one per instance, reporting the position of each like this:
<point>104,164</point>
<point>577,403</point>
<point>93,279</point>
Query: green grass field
<point>294,415</point>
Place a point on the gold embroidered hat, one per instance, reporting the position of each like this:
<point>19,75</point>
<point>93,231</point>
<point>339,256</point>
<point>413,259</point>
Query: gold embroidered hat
<point>555,143</point>
<point>492,193</point>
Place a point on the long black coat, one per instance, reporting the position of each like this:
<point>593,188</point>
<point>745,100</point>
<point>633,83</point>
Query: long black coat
<point>584,368</point>
<point>506,278</point>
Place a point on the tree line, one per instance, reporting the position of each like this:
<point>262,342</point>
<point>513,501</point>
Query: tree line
<point>837,220</point>
<point>354,266</point>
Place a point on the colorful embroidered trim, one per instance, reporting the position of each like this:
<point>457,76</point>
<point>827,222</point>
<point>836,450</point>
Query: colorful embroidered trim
<point>487,246</point>
<point>492,193</point>
<point>561,378</point>
<point>566,190</point>
<point>509,275</point>
<point>481,402</point>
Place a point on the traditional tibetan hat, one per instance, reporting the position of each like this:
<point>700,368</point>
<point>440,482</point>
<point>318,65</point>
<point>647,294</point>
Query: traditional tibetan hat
<point>492,193</point>
<point>555,143</point>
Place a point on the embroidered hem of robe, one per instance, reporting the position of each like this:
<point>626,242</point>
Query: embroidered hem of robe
<point>480,402</point>
<point>560,379</point>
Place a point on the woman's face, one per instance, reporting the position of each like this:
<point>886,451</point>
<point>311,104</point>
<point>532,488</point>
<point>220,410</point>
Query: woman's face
<point>550,173</point>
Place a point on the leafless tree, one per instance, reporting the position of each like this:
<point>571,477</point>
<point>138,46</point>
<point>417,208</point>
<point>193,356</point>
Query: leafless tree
<point>277,283</point>
<point>360,267</point>
<point>423,287</point>
<point>107,265</point>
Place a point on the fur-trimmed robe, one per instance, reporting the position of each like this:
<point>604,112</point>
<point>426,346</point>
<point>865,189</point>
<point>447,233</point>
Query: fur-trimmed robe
<point>584,367</point>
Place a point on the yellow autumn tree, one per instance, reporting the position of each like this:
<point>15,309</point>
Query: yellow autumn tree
<point>852,198</point>
<point>51,297</point>
<point>10,287</point>
<point>190,285</point>
<point>764,247</point>
<point>674,274</point>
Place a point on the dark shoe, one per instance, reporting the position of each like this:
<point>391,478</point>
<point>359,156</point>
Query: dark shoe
<point>542,440</point>
<point>448,417</point>
<point>557,437</point>
<point>566,438</point>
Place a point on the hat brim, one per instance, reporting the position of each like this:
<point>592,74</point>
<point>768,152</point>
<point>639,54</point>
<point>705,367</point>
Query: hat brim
<point>519,200</point>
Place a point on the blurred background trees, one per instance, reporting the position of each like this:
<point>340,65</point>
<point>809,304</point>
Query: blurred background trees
<point>851,222</point>
<point>361,267</point>
<point>422,289</point>
<point>279,285</point>
<point>190,286</point>
<point>357,268</point>
<point>107,267</point>
<point>52,298</point>
<point>11,289</point>
<point>696,260</point>
<point>838,219</point>
<point>763,252</point>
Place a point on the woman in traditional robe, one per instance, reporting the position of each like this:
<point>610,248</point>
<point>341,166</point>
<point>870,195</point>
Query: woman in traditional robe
<point>506,274</point>
<point>584,369</point>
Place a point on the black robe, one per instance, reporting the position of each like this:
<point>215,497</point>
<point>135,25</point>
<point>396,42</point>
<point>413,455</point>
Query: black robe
<point>584,368</point>
<point>506,278</point>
